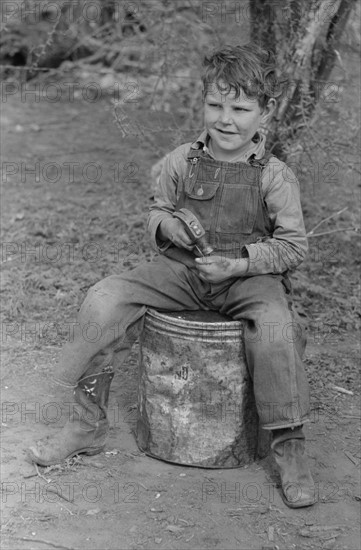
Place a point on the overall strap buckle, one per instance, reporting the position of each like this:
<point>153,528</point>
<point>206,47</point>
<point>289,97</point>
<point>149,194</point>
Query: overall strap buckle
<point>193,157</point>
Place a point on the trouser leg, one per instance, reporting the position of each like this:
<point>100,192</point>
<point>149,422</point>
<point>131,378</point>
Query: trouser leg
<point>274,343</point>
<point>109,319</point>
<point>111,312</point>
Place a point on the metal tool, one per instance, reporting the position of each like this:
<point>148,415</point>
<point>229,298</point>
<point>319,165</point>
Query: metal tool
<point>194,230</point>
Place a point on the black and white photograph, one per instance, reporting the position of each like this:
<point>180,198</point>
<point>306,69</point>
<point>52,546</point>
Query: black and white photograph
<point>180,274</point>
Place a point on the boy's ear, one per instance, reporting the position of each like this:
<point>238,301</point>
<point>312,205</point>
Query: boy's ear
<point>269,109</point>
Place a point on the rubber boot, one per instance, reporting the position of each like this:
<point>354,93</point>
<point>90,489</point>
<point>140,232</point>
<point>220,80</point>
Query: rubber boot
<point>288,450</point>
<point>88,426</point>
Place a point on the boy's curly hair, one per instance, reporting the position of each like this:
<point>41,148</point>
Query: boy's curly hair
<point>247,68</point>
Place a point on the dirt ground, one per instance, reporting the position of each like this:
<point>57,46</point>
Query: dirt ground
<point>65,226</point>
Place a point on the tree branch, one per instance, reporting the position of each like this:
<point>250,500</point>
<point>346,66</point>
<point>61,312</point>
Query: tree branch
<point>326,219</point>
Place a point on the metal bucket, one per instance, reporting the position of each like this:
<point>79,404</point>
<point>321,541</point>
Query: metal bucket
<point>196,404</point>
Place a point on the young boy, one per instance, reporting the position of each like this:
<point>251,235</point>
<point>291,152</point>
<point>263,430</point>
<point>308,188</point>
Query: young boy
<point>248,202</point>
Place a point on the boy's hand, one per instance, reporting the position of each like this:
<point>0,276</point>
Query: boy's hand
<point>173,230</point>
<point>215,269</point>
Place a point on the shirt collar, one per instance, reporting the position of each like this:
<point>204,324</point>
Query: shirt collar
<point>256,148</point>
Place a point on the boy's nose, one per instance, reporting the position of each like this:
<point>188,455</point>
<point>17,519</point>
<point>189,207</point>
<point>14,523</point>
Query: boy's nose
<point>225,117</point>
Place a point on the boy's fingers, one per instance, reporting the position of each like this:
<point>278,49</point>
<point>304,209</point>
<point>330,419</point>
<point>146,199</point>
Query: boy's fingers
<point>181,238</point>
<point>182,243</point>
<point>203,260</point>
<point>210,260</point>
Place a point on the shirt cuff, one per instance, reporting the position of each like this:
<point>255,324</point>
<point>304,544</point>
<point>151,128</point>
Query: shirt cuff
<point>161,246</point>
<point>253,260</point>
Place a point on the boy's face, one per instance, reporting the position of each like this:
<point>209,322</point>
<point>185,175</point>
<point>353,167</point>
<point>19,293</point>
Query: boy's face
<point>231,122</point>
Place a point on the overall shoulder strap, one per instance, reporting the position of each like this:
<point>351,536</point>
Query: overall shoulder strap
<point>261,163</point>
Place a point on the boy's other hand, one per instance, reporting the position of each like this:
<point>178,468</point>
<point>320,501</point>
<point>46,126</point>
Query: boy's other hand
<point>215,269</point>
<point>172,229</point>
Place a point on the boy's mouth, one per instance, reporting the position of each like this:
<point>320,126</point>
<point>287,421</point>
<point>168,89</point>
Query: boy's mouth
<point>225,132</point>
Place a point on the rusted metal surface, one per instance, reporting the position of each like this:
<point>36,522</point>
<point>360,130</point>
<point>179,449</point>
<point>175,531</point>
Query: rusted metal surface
<point>196,403</point>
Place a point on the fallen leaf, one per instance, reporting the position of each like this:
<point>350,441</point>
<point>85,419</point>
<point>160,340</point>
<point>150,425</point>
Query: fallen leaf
<point>321,532</point>
<point>113,452</point>
<point>174,528</point>
<point>93,512</point>
<point>329,543</point>
<point>97,465</point>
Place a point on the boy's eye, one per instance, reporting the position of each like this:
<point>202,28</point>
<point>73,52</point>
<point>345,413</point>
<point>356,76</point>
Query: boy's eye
<point>219,105</point>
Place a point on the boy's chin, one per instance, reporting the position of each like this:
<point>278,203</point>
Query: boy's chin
<point>228,140</point>
<point>227,144</point>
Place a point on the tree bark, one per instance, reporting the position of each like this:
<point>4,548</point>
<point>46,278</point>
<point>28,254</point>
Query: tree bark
<point>304,36</point>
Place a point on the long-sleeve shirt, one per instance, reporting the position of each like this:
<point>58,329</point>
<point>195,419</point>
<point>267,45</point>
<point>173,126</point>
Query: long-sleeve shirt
<point>285,248</point>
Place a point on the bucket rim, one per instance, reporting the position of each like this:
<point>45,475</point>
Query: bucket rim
<point>174,318</point>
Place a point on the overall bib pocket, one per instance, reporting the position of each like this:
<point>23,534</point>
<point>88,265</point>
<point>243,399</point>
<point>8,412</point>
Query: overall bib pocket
<point>239,206</point>
<point>199,199</point>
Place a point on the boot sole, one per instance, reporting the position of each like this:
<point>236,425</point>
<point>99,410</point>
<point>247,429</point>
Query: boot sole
<point>296,504</point>
<point>85,451</point>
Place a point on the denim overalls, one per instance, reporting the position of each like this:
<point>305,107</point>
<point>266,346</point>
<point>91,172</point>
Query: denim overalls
<point>227,199</point>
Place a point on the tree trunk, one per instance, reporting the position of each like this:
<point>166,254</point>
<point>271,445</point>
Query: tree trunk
<point>303,35</point>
